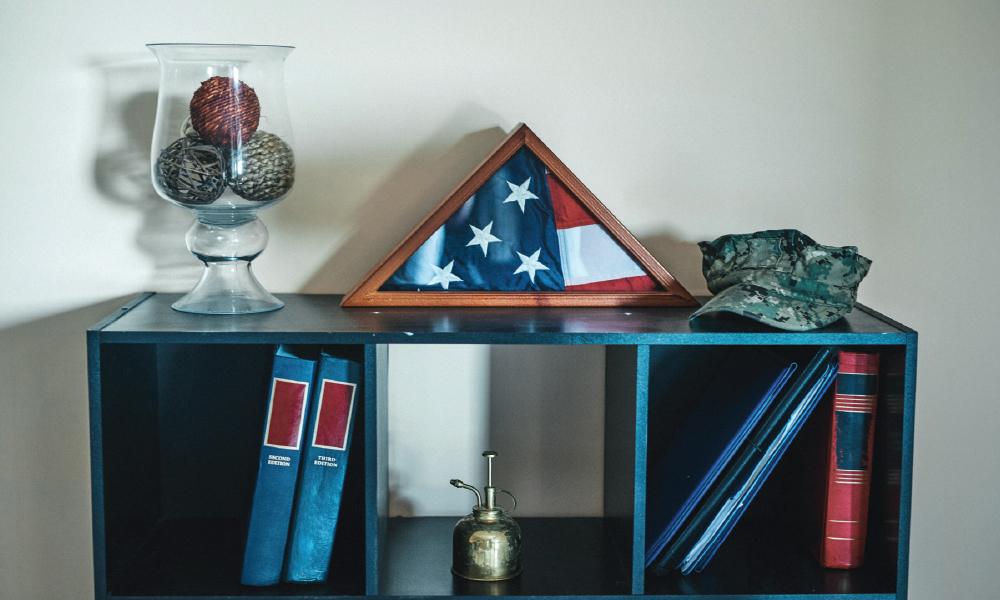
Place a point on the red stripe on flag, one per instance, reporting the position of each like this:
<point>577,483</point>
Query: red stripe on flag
<point>567,209</point>
<point>336,403</point>
<point>569,213</point>
<point>642,283</point>
<point>285,421</point>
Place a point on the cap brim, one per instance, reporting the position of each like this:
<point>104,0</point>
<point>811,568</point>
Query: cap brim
<point>771,307</point>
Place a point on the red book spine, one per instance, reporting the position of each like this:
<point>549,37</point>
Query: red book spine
<point>849,471</point>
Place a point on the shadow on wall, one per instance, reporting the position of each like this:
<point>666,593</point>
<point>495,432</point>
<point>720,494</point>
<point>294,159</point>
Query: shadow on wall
<point>546,421</point>
<point>405,197</point>
<point>121,167</point>
<point>44,441</point>
<point>399,504</point>
<point>681,258</point>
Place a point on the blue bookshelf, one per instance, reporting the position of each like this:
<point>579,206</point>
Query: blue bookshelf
<point>174,442</point>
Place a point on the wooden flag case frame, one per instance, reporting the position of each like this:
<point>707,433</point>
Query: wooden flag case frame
<point>369,292</point>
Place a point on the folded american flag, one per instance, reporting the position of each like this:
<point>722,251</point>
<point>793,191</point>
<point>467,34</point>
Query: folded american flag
<point>521,231</point>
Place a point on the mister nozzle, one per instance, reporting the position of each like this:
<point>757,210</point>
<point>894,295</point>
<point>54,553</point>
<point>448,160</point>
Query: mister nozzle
<point>462,485</point>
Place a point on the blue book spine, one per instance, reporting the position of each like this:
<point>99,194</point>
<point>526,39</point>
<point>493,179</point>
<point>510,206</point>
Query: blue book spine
<point>271,513</point>
<point>328,441</point>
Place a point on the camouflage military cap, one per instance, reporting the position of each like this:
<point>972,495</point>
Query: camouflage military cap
<point>781,278</point>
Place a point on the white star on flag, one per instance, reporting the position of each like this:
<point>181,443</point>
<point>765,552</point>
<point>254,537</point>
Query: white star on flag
<point>443,276</point>
<point>520,193</point>
<point>482,237</point>
<point>530,264</point>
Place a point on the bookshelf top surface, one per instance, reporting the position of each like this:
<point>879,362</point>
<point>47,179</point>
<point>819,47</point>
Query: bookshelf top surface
<point>320,319</point>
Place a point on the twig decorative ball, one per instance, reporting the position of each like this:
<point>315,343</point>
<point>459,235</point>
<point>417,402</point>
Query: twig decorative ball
<point>268,168</point>
<point>191,171</point>
<point>224,111</point>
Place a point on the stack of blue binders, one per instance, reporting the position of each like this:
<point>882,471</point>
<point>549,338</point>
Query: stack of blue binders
<point>704,480</point>
<point>291,531</point>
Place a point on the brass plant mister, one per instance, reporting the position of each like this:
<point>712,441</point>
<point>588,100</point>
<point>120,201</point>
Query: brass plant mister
<point>486,544</point>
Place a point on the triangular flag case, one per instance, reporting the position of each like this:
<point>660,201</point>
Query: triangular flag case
<point>520,230</point>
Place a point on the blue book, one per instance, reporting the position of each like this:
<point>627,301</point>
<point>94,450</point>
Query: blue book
<point>738,395</point>
<point>271,513</point>
<point>321,483</point>
<point>722,525</point>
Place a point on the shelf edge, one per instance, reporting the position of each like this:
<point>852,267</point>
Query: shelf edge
<point>881,317</point>
<point>121,312</point>
<point>551,339</point>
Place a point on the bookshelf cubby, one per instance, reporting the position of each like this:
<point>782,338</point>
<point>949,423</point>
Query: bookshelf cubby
<point>176,413</point>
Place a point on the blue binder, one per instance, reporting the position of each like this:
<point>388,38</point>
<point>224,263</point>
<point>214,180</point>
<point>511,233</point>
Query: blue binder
<point>321,483</point>
<point>270,515</point>
<point>768,440</point>
<point>719,529</point>
<point>736,398</point>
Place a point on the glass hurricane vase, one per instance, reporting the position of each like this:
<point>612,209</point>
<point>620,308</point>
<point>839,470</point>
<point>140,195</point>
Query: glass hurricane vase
<point>222,148</point>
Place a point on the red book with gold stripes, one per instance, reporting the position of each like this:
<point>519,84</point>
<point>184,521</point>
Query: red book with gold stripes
<point>849,470</point>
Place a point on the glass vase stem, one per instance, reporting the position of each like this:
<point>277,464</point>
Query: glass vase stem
<point>227,285</point>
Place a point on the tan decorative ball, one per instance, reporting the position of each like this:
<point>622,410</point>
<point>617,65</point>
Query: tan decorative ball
<point>267,171</point>
<point>224,111</point>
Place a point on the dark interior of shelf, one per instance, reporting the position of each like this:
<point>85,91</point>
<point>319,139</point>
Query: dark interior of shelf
<point>203,557</point>
<point>182,427</point>
<point>561,556</point>
<point>773,548</point>
<point>759,558</point>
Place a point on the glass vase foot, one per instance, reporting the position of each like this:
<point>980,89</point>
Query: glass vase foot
<point>228,288</point>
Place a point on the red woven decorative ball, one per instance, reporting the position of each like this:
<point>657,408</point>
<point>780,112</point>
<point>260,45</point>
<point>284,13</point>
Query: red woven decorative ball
<point>225,112</point>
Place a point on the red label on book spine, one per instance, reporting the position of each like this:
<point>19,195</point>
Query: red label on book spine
<point>334,414</point>
<point>284,420</point>
<point>850,461</point>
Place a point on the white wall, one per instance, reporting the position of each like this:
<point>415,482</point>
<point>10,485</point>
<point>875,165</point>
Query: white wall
<point>857,122</point>
<point>540,407</point>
